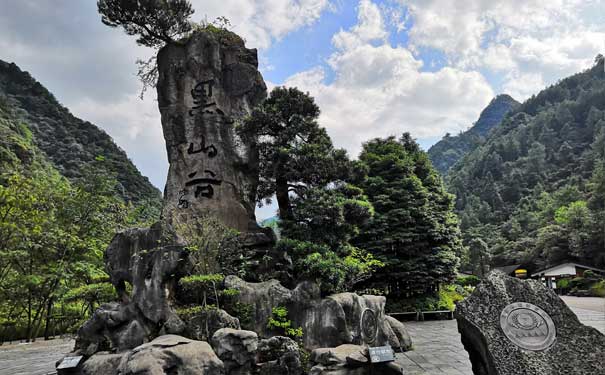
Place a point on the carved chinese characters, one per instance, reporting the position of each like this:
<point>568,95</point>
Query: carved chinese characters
<point>205,87</point>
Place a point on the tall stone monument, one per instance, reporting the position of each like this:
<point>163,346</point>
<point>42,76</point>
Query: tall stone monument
<point>206,85</point>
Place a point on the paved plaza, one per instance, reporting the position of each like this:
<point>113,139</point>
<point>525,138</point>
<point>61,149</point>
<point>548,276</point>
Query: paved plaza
<point>437,346</point>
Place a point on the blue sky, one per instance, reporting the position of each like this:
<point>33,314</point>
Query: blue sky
<point>375,67</point>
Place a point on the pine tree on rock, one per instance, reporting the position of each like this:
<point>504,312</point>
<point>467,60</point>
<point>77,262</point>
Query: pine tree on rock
<point>295,152</point>
<point>414,231</point>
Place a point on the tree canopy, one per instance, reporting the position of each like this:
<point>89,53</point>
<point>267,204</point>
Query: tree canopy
<point>414,231</point>
<point>154,22</point>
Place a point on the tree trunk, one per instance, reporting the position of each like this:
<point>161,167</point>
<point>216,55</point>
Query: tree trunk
<point>283,198</point>
<point>49,309</point>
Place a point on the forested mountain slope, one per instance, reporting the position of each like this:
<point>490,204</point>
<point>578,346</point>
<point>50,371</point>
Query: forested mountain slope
<point>445,153</point>
<point>535,191</point>
<point>68,142</point>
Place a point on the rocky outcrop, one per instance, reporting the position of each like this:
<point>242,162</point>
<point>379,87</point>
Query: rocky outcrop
<point>349,360</point>
<point>279,355</point>
<point>512,326</point>
<point>344,318</point>
<point>237,350</point>
<point>204,324</point>
<point>137,257</point>
<point>169,354</point>
<point>400,340</point>
<point>206,85</point>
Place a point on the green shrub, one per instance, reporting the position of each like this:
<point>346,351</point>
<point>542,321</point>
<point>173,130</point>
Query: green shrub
<point>200,289</point>
<point>279,321</point>
<point>470,280</point>
<point>598,289</point>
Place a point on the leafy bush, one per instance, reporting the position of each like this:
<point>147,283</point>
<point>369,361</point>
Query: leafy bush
<point>279,321</point>
<point>335,271</point>
<point>470,280</point>
<point>445,299</point>
<point>201,289</point>
<point>598,289</point>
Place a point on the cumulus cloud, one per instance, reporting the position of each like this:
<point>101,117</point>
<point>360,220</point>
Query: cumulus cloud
<point>380,90</point>
<point>261,22</point>
<point>544,41</point>
<point>91,68</point>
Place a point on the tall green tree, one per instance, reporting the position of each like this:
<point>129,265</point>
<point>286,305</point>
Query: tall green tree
<point>52,237</point>
<point>414,231</point>
<point>295,152</point>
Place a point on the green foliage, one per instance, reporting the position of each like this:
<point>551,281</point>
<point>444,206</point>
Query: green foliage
<point>413,231</point>
<point>444,299</point>
<point>598,289</point>
<point>52,237</point>
<point>470,280</point>
<point>534,190</point>
<point>201,289</point>
<point>449,150</point>
<point>36,128</point>
<point>213,247</point>
<point>334,271</point>
<point>243,312</point>
<point>279,321</point>
<point>92,294</point>
<point>295,153</point>
<point>154,22</point>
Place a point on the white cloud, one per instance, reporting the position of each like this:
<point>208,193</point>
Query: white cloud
<point>263,21</point>
<point>379,89</point>
<point>541,40</point>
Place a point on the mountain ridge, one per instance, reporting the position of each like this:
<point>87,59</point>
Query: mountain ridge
<point>451,149</point>
<point>67,141</point>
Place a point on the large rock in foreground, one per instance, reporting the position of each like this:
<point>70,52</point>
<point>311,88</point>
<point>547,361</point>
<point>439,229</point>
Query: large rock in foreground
<point>511,326</point>
<point>168,354</point>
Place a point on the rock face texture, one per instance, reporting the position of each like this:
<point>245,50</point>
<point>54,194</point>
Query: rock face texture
<point>512,326</point>
<point>344,318</point>
<point>206,85</point>
<point>168,354</point>
<point>279,355</point>
<point>138,257</point>
<point>237,350</point>
<point>349,360</point>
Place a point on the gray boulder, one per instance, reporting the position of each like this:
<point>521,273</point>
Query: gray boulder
<point>400,339</point>
<point>141,258</point>
<point>237,349</point>
<point>102,363</point>
<point>279,355</point>
<point>512,326</point>
<point>169,354</point>
<point>335,320</point>
<point>203,325</point>
<point>349,360</point>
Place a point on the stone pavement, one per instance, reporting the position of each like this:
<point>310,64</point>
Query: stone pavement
<point>33,359</point>
<point>437,350</point>
<point>437,346</point>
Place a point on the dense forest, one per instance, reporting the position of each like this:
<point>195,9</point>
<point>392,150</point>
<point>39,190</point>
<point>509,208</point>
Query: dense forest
<point>534,192</point>
<point>449,150</point>
<point>68,142</point>
<point>65,189</point>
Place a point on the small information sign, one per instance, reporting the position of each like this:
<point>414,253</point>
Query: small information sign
<point>70,362</point>
<point>381,354</point>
